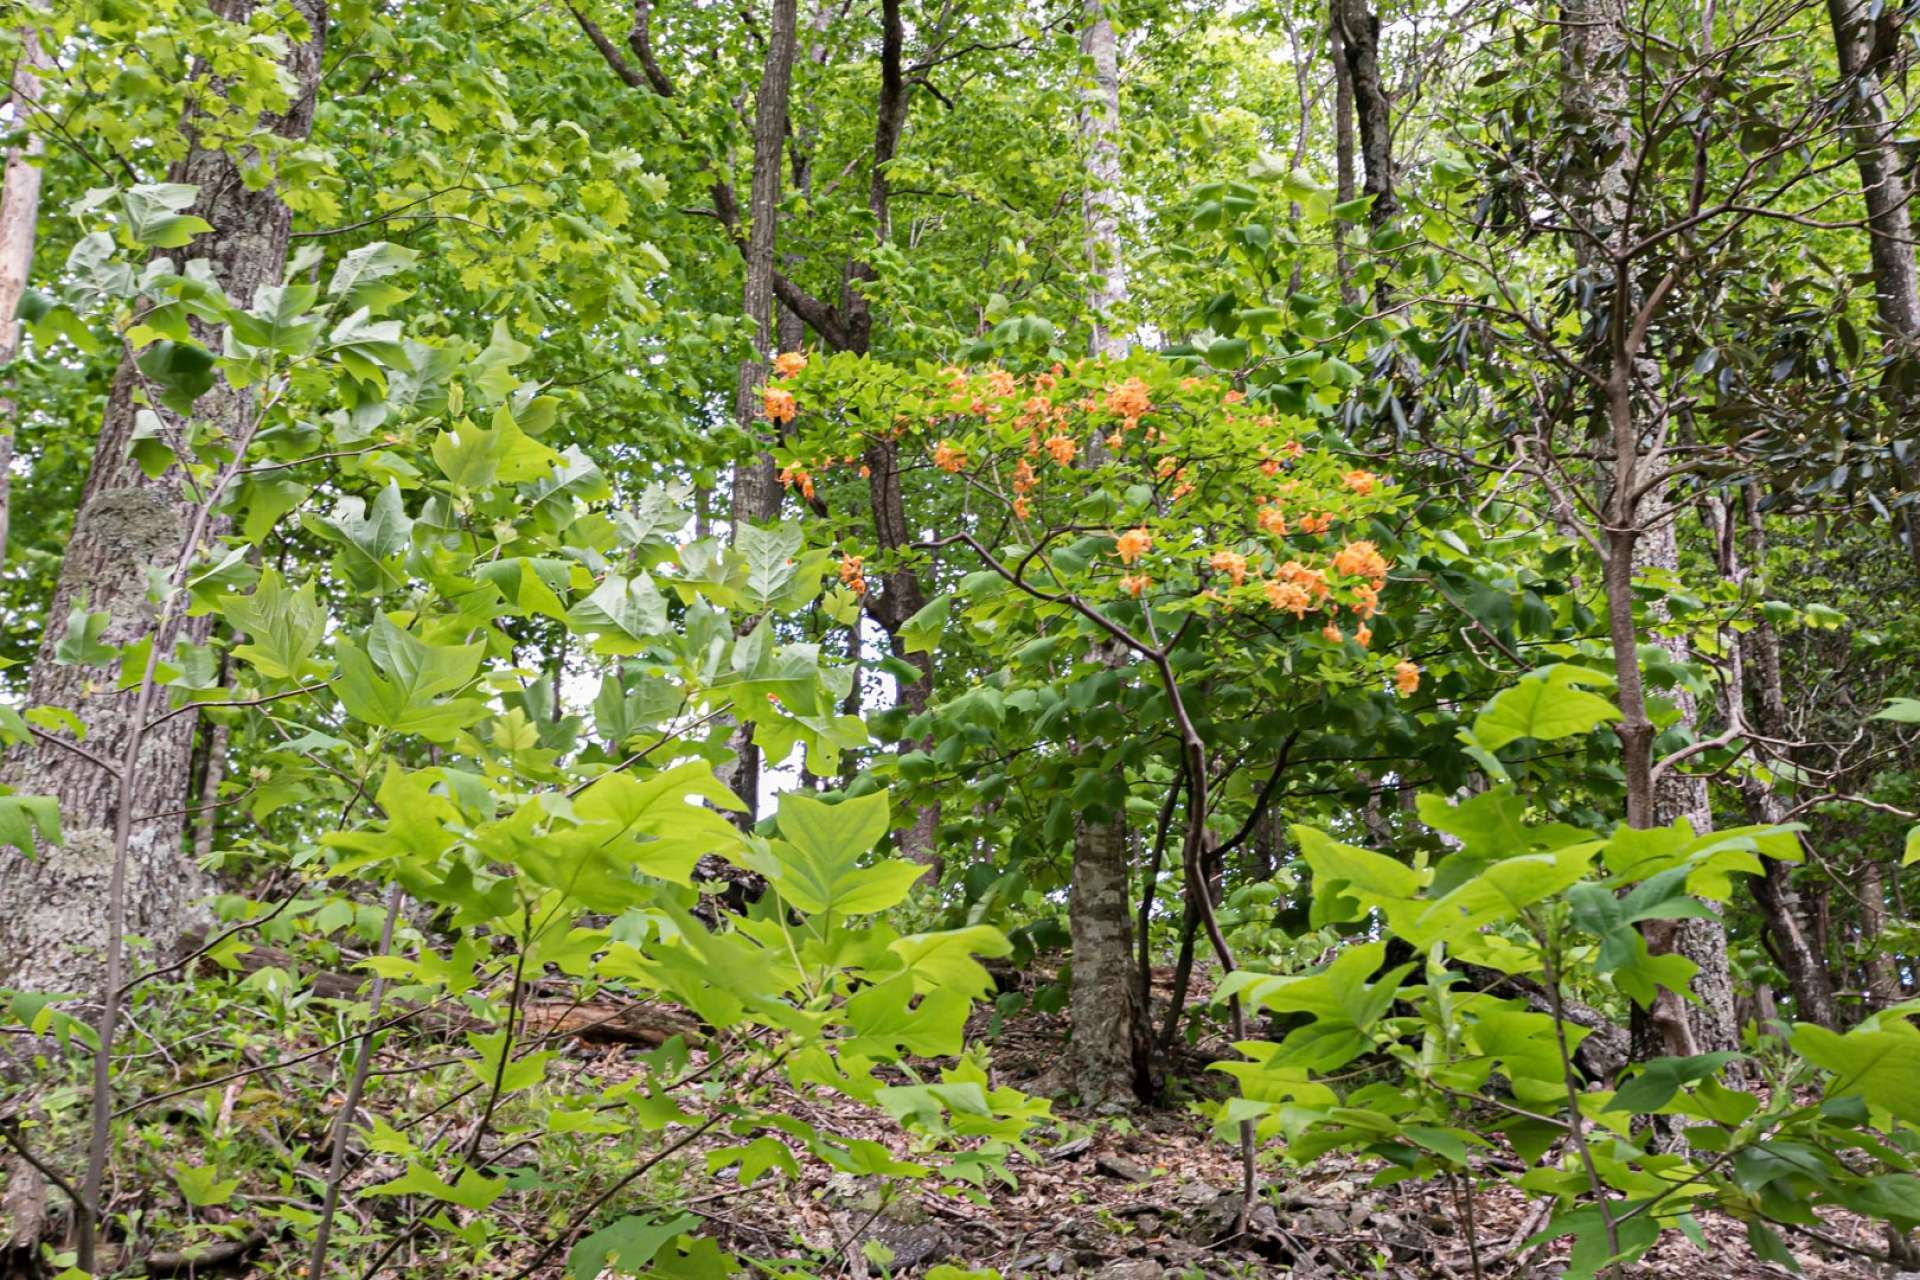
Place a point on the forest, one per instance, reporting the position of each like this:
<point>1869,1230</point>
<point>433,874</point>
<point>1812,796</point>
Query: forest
<point>959,638</point>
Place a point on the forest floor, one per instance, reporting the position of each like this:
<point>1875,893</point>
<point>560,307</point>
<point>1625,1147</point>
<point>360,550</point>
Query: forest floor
<point>1152,1194</point>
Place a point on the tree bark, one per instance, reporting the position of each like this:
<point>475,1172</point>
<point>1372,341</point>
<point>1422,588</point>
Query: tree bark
<point>1110,1052</point>
<point>756,488</point>
<point>1640,530</point>
<point>1883,980</point>
<point>1342,157</point>
<point>1111,1048</point>
<point>19,218</point>
<point>1773,891</point>
<point>53,935</point>
<point>1357,29</point>
<point>1885,192</point>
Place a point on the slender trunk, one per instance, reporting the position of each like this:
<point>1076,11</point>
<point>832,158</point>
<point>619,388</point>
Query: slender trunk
<point>1773,891</point>
<point>1342,157</point>
<point>1884,190</point>
<point>1640,527</point>
<point>19,216</point>
<point>756,489</point>
<point>1111,1049</point>
<point>1883,981</point>
<point>52,936</point>
<point>1357,30</point>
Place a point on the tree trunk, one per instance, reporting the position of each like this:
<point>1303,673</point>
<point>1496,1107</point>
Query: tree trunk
<point>756,488</point>
<point>52,936</point>
<point>1357,30</point>
<point>19,217</point>
<point>1883,981</point>
<point>1342,157</point>
<point>1640,528</point>
<point>1773,891</point>
<point>1110,1052</point>
<point>1883,188</point>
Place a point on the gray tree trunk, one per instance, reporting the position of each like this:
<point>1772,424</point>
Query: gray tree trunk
<point>1641,530</point>
<point>52,936</point>
<point>1342,157</point>
<point>1110,1055</point>
<point>1357,32</point>
<point>756,488</point>
<point>19,217</point>
<point>1884,190</point>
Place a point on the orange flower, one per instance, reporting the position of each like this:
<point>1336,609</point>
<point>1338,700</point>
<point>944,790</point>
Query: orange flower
<point>1311,580</point>
<point>1166,468</point>
<point>1000,383</point>
<point>852,574</point>
<point>1130,399</point>
<point>797,475</point>
<point>1062,448</point>
<point>777,405</point>
<point>1360,559</point>
<point>1270,467</point>
<point>1274,521</point>
<point>1181,490</point>
<point>1289,596</point>
<point>1231,563</point>
<point>1116,441</point>
<point>1234,397</point>
<point>1406,677</point>
<point>1133,544</point>
<point>1316,524</point>
<point>865,471</point>
<point>1366,600</point>
<point>1021,508</point>
<point>1363,635</point>
<point>1332,634</point>
<point>1361,482</point>
<point>1135,583</point>
<point>949,457</point>
<point>788,363</point>
<point>1023,477</point>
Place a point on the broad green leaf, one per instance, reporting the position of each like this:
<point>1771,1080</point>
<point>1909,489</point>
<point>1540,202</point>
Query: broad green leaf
<point>283,628</point>
<point>1546,706</point>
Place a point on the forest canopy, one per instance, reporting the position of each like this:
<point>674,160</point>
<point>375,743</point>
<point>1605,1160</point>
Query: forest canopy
<point>964,639</point>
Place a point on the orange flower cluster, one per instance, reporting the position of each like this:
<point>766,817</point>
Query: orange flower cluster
<point>788,363</point>
<point>1363,635</point>
<point>1316,524</point>
<point>1332,634</point>
<point>777,405</point>
<point>1361,560</point>
<point>853,575</point>
<point>1273,520</point>
<point>1024,478</point>
<point>1062,448</point>
<point>1290,596</point>
<point>1406,678</point>
<point>794,475</point>
<point>1133,544</point>
<point>1130,399</point>
<point>1231,563</point>
<point>1135,583</point>
<point>1361,482</point>
<point>949,457</point>
<point>1001,383</point>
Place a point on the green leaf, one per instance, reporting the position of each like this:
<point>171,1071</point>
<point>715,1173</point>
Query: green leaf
<point>472,1190</point>
<point>153,213</point>
<point>625,1247</point>
<point>203,1187</point>
<point>1900,711</point>
<point>1546,706</point>
<point>492,370</point>
<point>946,958</point>
<point>816,868</point>
<point>1660,1078</point>
<point>22,816</point>
<point>414,672</point>
<point>921,632</point>
<point>79,645</point>
<point>1879,1065</point>
<point>284,628</point>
